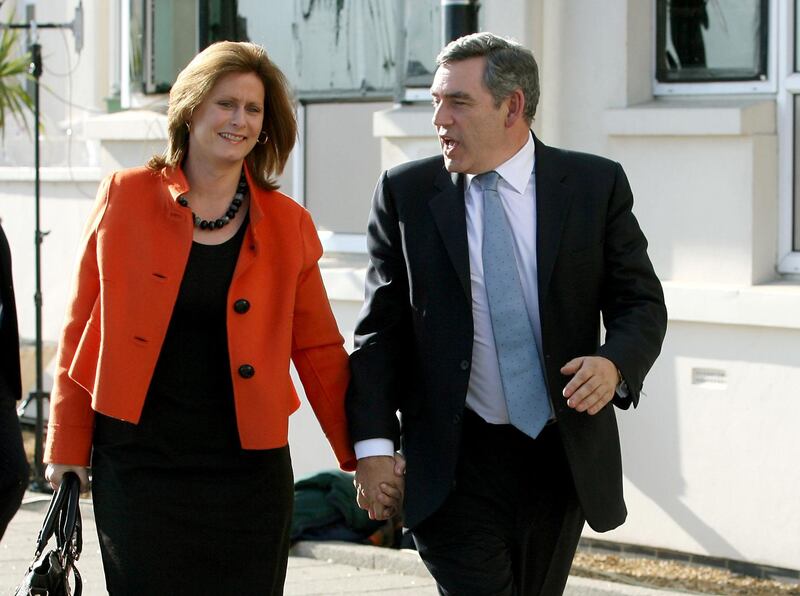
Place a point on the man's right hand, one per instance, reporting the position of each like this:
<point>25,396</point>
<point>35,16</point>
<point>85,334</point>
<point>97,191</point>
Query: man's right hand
<point>380,485</point>
<point>55,472</point>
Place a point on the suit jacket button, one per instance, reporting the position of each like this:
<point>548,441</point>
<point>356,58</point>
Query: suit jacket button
<point>464,364</point>
<point>456,418</point>
<point>246,371</point>
<point>241,306</point>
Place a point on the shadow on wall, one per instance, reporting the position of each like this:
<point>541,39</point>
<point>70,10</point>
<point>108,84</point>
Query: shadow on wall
<point>653,452</point>
<point>714,444</point>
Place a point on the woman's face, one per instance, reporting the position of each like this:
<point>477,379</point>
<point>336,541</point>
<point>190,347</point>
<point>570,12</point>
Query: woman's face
<point>226,125</point>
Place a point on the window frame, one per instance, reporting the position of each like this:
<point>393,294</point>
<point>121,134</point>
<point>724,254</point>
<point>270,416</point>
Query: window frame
<point>789,87</point>
<point>768,85</point>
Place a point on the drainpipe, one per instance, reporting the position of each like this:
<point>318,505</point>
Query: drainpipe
<point>459,18</point>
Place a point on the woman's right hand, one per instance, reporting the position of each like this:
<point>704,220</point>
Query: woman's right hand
<point>55,472</point>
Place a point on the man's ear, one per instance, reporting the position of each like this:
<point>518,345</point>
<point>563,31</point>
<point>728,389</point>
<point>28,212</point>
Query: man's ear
<point>516,108</point>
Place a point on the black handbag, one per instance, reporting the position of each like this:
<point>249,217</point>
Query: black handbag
<point>48,574</point>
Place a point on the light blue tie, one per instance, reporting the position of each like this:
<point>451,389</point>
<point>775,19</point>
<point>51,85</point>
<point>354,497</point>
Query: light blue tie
<point>520,367</point>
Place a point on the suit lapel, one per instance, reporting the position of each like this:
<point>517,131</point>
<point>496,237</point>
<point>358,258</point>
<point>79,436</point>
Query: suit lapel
<point>447,206</point>
<point>553,199</point>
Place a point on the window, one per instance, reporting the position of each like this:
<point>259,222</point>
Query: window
<point>165,52</point>
<point>166,34</point>
<point>789,139</point>
<point>423,40</point>
<point>364,49</point>
<point>795,235</point>
<point>712,46</point>
<point>345,60</point>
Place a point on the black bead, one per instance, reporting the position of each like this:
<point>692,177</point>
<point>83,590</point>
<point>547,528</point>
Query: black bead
<point>233,208</point>
<point>241,306</point>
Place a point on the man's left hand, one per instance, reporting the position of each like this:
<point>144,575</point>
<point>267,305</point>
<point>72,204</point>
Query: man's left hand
<point>593,384</point>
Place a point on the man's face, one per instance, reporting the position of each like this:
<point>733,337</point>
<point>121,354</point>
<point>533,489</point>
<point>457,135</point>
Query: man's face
<point>471,129</point>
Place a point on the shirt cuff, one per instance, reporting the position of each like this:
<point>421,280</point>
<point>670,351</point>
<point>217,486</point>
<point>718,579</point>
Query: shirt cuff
<point>622,388</point>
<point>374,447</point>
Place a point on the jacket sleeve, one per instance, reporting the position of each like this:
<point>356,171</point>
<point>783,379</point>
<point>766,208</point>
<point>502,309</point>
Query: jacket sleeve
<point>384,332</point>
<point>71,423</point>
<point>318,349</point>
<point>632,300</point>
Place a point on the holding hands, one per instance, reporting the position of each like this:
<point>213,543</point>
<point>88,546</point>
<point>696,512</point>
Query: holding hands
<point>380,479</point>
<point>380,485</point>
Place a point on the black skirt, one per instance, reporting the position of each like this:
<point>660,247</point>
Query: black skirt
<point>180,507</point>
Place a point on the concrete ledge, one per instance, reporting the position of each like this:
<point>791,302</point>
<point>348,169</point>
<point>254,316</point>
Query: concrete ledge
<point>51,174</point>
<point>407,562</point>
<point>130,125</point>
<point>344,282</point>
<point>693,117</point>
<point>767,305</point>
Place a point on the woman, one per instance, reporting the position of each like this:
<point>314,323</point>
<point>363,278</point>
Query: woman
<point>196,284</point>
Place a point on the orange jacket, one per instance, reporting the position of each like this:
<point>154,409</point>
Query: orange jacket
<point>133,254</point>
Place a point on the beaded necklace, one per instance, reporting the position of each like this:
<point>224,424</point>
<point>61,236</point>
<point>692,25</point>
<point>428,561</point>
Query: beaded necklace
<point>230,213</point>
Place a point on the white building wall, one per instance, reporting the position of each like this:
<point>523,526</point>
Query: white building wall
<point>67,197</point>
<point>710,461</point>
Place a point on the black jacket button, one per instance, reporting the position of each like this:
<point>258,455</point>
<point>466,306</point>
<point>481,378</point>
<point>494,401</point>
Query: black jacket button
<point>246,371</point>
<point>241,306</point>
<point>464,364</point>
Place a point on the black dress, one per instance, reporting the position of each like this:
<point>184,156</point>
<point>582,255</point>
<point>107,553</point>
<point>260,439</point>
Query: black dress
<point>180,507</point>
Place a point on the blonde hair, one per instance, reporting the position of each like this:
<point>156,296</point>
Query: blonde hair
<point>194,83</point>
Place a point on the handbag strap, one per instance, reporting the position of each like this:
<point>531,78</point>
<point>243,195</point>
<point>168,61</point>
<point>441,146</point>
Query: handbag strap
<point>70,484</point>
<point>70,535</point>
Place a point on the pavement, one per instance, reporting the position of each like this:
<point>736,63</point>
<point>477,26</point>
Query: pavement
<point>315,568</point>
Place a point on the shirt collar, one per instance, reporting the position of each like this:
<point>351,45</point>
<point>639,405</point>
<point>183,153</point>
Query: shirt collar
<point>517,170</point>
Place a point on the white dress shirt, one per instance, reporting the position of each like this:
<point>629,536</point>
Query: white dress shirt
<point>517,192</point>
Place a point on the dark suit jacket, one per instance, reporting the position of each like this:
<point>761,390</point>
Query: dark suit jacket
<point>414,335</point>
<point>10,382</point>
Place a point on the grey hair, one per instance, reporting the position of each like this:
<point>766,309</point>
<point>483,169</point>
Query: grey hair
<point>509,66</point>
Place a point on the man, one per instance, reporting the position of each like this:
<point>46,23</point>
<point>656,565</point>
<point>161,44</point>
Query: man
<point>490,267</point>
<point>13,464</point>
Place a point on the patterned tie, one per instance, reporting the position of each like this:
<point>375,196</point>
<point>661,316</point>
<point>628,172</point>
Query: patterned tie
<point>520,367</point>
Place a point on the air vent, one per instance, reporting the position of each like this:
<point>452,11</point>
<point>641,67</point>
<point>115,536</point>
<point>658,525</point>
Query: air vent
<point>713,378</point>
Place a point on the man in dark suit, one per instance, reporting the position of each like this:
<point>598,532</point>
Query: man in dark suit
<point>490,268</point>
<point>13,464</point>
